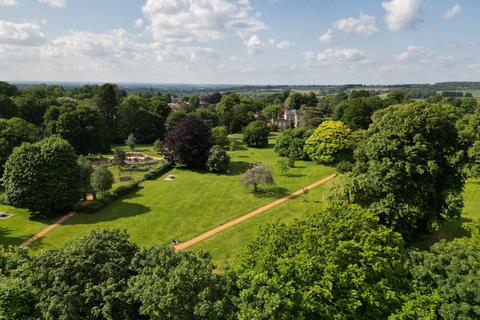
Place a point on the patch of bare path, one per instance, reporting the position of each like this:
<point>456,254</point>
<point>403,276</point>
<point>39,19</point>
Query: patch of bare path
<point>48,229</point>
<point>203,236</point>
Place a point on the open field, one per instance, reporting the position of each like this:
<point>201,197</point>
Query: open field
<point>228,245</point>
<point>191,204</point>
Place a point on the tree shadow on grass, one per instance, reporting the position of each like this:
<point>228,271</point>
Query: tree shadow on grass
<point>448,231</point>
<point>6,240</point>
<point>273,192</point>
<point>295,175</point>
<point>239,167</point>
<point>116,210</point>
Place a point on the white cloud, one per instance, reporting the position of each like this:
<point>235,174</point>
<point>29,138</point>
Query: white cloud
<point>200,20</point>
<point>412,53</point>
<point>255,45</point>
<point>118,47</point>
<point>23,34</point>
<point>452,12</point>
<point>327,36</point>
<point>54,3</point>
<point>402,14</point>
<point>8,3</point>
<point>364,25</point>
<point>335,54</point>
<point>139,23</point>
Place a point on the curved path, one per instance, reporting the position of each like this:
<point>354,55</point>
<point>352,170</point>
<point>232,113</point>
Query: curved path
<point>48,229</point>
<point>203,236</point>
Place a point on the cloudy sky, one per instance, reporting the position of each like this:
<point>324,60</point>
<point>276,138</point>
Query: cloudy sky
<point>240,41</point>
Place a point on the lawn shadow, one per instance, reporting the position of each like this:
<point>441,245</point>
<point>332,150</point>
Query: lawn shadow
<point>295,175</point>
<point>6,240</point>
<point>273,192</point>
<point>448,231</point>
<point>240,148</point>
<point>117,210</point>
<point>238,167</point>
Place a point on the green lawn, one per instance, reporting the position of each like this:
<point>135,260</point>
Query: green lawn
<point>193,203</point>
<point>20,226</point>
<point>228,245</point>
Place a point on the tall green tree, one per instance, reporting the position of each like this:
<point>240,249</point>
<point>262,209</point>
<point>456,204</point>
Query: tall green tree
<point>13,132</point>
<point>337,264</point>
<point>106,101</point>
<point>256,134</point>
<point>102,179</point>
<point>8,109</point>
<point>43,176</point>
<point>85,129</point>
<point>330,142</point>
<point>291,142</point>
<point>409,167</point>
<point>181,285</point>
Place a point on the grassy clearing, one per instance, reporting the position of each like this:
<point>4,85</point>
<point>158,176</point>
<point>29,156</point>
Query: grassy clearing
<point>20,227</point>
<point>227,246</point>
<point>140,148</point>
<point>193,203</point>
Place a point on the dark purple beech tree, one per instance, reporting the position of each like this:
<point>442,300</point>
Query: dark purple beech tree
<point>189,142</point>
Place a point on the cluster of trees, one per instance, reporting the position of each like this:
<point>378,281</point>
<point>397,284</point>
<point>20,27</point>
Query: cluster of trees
<point>340,263</point>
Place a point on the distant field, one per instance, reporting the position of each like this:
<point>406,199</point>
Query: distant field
<point>193,203</point>
<point>227,246</point>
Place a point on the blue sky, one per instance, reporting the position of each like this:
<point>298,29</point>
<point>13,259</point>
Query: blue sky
<point>241,41</point>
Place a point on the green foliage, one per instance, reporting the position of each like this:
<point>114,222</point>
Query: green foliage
<point>283,166</point>
<point>17,299</point>
<point>330,143</point>
<point>256,134</point>
<point>408,168</point>
<point>469,105</point>
<point>87,278</point>
<point>257,175</point>
<point>469,130</point>
<point>106,101</point>
<point>272,111</point>
<point>356,113</point>
<point>220,134</point>
<point>86,170</point>
<point>159,147</point>
<point>108,198</point>
<point>102,179</point>
<point>218,160</point>
<point>292,142</point>
<point>337,264</point>
<point>344,166</point>
<point>173,119</point>
<point>43,176</point>
<point>446,281</point>
<point>181,285</point>
<point>85,129</point>
<point>119,157</point>
<point>131,141</point>
<point>8,109</point>
<point>13,132</point>
<point>7,89</point>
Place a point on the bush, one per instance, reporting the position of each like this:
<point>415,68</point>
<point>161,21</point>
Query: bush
<point>256,134</point>
<point>218,159</point>
<point>220,134</point>
<point>291,143</point>
<point>344,166</point>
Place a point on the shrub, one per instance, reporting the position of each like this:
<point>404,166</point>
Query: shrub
<point>291,142</point>
<point>218,160</point>
<point>256,134</point>
<point>220,134</point>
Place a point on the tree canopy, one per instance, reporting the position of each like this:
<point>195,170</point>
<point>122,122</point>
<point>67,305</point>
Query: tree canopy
<point>43,176</point>
<point>256,134</point>
<point>409,167</point>
<point>329,143</point>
